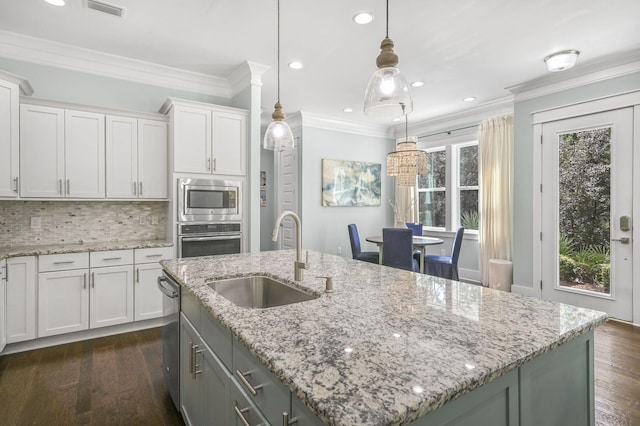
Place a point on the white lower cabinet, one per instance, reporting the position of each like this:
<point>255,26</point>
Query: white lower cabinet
<point>20,277</point>
<point>111,296</point>
<point>204,381</point>
<point>148,298</point>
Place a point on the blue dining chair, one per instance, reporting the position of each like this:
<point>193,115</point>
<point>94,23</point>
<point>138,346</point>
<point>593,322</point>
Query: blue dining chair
<point>445,266</point>
<point>397,249</point>
<point>356,251</point>
<point>416,228</point>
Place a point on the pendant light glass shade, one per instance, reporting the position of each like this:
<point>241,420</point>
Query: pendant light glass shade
<point>387,94</point>
<point>278,135</point>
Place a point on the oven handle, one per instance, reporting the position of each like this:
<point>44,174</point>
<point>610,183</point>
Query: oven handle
<point>169,292</point>
<point>225,237</point>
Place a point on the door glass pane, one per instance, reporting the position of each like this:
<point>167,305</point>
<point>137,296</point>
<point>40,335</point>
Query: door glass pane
<point>584,201</point>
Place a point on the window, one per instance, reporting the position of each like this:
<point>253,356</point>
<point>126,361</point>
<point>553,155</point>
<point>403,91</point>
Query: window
<point>448,193</point>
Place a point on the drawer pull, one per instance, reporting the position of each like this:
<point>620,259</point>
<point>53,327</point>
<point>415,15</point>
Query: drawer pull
<point>243,378</point>
<point>286,421</point>
<point>138,275</point>
<point>84,284</point>
<point>66,262</point>
<point>154,255</point>
<point>193,366</point>
<point>111,258</point>
<point>240,414</point>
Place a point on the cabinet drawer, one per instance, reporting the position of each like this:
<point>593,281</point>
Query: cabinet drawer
<point>99,259</point>
<point>190,307</point>
<point>269,395</point>
<point>62,262</point>
<point>150,255</point>
<point>217,336</point>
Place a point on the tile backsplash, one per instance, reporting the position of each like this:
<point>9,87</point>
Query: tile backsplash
<point>69,222</point>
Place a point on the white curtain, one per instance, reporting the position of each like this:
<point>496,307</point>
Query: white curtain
<point>495,163</point>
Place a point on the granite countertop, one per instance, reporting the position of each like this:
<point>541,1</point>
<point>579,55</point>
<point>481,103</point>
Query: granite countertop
<point>36,250</point>
<point>387,346</point>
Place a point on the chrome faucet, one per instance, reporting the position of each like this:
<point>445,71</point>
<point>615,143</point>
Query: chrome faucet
<point>299,264</point>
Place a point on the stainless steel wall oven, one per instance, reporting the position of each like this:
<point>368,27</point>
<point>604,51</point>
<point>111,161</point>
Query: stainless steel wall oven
<point>206,239</point>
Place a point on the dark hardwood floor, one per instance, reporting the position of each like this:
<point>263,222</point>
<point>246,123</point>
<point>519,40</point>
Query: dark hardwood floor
<point>117,380</point>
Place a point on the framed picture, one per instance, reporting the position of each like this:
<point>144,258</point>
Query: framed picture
<point>350,183</point>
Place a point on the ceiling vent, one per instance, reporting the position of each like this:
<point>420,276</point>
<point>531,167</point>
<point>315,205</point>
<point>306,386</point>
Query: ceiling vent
<point>106,8</point>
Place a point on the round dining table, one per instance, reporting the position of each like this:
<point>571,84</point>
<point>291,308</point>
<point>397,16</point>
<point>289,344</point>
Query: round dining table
<point>419,243</point>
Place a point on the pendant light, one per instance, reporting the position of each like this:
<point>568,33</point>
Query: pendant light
<point>278,136</point>
<point>407,162</point>
<point>387,93</point>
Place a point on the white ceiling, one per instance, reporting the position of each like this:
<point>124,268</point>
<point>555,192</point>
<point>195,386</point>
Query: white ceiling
<point>458,48</point>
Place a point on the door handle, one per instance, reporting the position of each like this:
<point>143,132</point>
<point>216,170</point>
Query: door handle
<point>68,187</point>
<point>623,240</point>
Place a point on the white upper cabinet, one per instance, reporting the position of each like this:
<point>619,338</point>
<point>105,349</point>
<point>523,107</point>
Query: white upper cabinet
<point>9,139</point>
<point>208,139</point>
<point>136,158</point>
<point>61,153</point>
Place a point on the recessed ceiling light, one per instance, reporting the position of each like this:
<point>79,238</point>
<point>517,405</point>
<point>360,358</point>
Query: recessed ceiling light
<point>469,99</point>
<point>296,65</point>
<point>363,18</point>
<point>56,2</point>
<point>417,84</point>
<point>348,110</point>
<point>397,119</point>
<point>561,61</point>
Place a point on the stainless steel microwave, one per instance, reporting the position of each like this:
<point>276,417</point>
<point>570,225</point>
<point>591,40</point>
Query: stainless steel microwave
<point>205,200</point>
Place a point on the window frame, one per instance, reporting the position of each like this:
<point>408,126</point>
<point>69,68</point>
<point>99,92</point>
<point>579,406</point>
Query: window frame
<point>451,146</point>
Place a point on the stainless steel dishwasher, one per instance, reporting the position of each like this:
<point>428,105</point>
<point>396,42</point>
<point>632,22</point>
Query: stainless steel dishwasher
<point>171,336</point>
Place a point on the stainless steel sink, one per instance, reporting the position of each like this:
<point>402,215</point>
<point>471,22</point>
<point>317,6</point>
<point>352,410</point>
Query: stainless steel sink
<point>259,292</point>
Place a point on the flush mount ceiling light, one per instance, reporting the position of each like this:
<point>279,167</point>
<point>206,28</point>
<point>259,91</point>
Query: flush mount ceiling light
<point>363,18</point>
<point>55,2</point>
<point>417,84</point>
<point>278,136</point>
<point>347,110</point>
<point>387,93</point>
<point>407,162</point>
<point>469,99</point>
<point>561,61</point>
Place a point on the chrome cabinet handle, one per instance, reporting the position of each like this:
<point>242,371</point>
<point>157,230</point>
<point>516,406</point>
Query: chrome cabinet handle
<point>138,275</point>
<point>84,285</point>
<point>243,378</point>
<point>140,192</point>
<point>135,188</point>
<point>154,255</point>
<point>112,258</point>
<point>93,280</point>
<point>209,163</point>
<point>286,421</point>
<point>240,414</point>
<point>60,262</point>
<point>68,187</point>
<point>214,164</point>
<point>16,184</point>
<point>193,361</point>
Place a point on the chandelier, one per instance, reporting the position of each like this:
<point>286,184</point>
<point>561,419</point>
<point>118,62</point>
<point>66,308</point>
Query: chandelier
<point>407,162</point>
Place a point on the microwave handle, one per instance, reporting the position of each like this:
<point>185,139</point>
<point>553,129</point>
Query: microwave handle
<point>225,237</point>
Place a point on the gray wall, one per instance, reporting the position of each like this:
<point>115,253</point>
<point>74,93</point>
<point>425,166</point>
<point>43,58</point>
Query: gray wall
<point>523,139</point>
<point>76,87</point>
<point>325,228</point>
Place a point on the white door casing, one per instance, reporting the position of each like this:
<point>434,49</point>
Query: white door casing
<point>287,167</point>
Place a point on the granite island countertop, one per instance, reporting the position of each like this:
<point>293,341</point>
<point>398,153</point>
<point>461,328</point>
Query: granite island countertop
<point>387,346</point>
<point>37,250</point>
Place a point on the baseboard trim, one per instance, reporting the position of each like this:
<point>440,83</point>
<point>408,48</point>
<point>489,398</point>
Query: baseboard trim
<point>526,291</point>
<point>45,342</point>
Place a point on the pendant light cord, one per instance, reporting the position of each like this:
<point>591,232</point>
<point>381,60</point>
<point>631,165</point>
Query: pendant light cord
<point>278,63</point>
<point>387,18</point>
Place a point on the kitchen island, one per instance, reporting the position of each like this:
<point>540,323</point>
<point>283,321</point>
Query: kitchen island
<point>389,346</point>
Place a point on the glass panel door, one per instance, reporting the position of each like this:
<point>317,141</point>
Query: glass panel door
<point>586,211</point>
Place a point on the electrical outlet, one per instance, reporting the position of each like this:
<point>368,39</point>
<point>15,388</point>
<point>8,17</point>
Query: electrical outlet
<point>339,250</point>
<point>154,219</point>
<point>36,222</point>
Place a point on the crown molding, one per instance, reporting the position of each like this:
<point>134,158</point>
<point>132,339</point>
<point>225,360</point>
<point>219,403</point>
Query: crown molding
<point>318,121</point>
<point>593,72</point>
<point>23,83</point>
<point>31,49</point>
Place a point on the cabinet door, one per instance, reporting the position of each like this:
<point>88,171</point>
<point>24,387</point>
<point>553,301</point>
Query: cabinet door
<point>111,296</point>
<point>191,140</point>
<point>9,139</point>
<point>152,159</point>
<point>189,392</point>
<point>229,143</point>
<point>84,154</point>
<point>122,157</point>
<point>21,299</point>
<point>214,388</point>
<point>148,298</point>
<point>41,151</point>
<point>63,302</point>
